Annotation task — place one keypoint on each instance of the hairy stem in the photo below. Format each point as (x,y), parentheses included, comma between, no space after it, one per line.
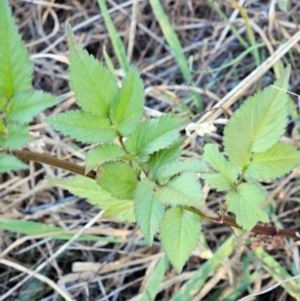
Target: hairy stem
(221,219)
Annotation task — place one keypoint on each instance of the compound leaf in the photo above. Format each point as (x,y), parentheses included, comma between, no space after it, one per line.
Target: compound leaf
(15,66)
(179,234)
(245,203)
(83,126)
(155,134)
(15,137)
(127,108)
(118,178)
(24,106)
(177,167)
(148,210)
(9,163)
(228,172)
(184,190)
(258,124)
(101,154)
(275,162)
(94,86)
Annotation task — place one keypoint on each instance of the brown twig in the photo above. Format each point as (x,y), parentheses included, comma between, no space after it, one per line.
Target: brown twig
(221,219)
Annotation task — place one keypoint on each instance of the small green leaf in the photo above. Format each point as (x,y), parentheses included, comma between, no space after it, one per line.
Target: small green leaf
(122,211)
(228,172)
(155,134)
(118,178)
(245,204)
(163,157)
(275,162)
(16,137)
(83,126)
(179,234)
(258,124)
(24,106)
(127,108)
(84,187)
(94,86)
(177,167)
(9,163)
(15,66)
(2,127)
(184,190)
(101,154)
(148,211)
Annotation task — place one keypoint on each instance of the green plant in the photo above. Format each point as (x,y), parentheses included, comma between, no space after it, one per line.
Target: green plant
(139,174)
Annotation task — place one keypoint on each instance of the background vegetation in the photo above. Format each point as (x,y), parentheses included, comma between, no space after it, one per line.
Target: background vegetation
(190,55)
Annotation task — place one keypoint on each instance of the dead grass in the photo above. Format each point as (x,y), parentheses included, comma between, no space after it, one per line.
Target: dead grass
(111,270)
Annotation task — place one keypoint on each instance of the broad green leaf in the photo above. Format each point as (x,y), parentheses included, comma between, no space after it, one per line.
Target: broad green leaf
(258,123)
(127,108)
(84,187)
(15,66)
(8,163)
(155,134)
(184,190)
(94,86)
(148,210)
(228,172)
(177,167)
(24,106)
(163,157)
(122,211)
(118,178)
(83,126)
(217,181)
(245,204)
(179,234)
(15,137)
(275,162)
(101,154)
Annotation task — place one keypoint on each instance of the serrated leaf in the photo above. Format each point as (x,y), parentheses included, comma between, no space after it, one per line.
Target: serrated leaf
(216,181)
(15,67)
(24,106)
(83,126)
(179,234)
(245,204)
(100,154)
(177,167)
(15,137)
(122,211)
(275,162)
(163,157)
(148,211)
(184,190)
(155,134)
(88,188)
(258,123)
(118,178)
(9,163)
(228,172)
(127,108)
(94,86)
